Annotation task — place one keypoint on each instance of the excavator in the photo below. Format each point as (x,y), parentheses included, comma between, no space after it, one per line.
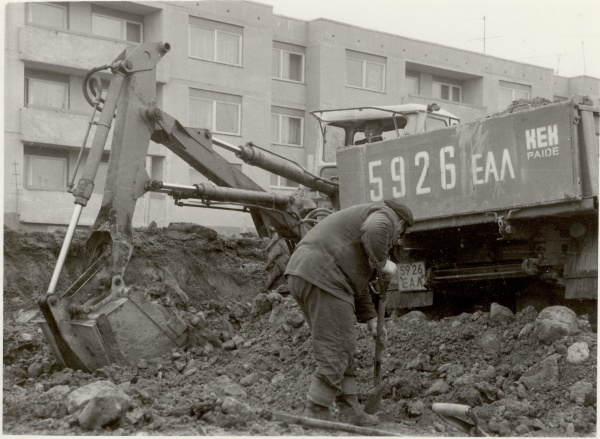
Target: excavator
(99,320)
(510,199)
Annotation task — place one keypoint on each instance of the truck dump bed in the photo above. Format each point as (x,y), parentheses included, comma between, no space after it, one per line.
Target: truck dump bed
(547,156)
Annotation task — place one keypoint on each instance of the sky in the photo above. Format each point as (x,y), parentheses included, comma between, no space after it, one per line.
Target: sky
(563,35)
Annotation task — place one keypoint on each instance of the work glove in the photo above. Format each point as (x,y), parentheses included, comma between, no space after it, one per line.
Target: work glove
(372,325)
(388,271)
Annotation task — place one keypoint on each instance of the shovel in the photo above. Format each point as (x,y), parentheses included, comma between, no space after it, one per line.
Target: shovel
(374,398)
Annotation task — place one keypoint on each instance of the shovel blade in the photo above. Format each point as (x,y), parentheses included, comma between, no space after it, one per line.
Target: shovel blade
(373,401)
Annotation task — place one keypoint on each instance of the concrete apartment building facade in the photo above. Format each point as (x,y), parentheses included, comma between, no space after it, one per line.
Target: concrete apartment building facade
(235,68)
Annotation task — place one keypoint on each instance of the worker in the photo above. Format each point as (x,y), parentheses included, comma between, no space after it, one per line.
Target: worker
(328,275)
(372,132)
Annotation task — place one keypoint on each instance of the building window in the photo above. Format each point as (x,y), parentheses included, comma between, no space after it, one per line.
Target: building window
(287,126)
(510,91)
(447,92)
(46,89)
(218,112)
(278,181)
(117,28)
(411,84)
(365,71)
(288,62)
(101,173)
(46,169)
(48,14)
(215,41)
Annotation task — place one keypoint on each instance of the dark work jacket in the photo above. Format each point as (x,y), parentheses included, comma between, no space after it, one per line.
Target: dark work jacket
(341,252)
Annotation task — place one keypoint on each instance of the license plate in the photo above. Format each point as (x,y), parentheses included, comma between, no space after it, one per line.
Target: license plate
(411,277)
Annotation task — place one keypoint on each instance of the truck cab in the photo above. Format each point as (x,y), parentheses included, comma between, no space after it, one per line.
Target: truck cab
(346,127)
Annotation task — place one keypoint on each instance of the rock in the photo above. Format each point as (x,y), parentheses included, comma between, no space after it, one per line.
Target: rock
(234,389)
(404,388)
(38,387)
(274,297)
(543,375)
(525,331)
(416,408)
(468,395)
(466,379)
(261,304)
(522,429)
(106,407)
(555,322)
(278,378)
(277,315)
(488,342)
(232,406)
(180,364)
(419,362)
(229,345)
(439,387)
(578,353)
(582,393)
(538,425)
(500,315)
(35,369)
(59,378)
(58,391)
(25,337)
(189,371)
(238,341)
(451,370)
(295,319)
(414,316)
(249,380)
(517,408)
(502,427)
(81,396)
(23,316)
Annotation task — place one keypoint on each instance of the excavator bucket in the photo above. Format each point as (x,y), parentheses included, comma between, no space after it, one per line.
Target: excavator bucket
(99,320)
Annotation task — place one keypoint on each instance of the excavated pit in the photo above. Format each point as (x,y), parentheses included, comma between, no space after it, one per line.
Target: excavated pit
(490,359)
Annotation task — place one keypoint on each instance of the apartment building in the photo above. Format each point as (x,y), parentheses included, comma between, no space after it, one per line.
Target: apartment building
(235,68)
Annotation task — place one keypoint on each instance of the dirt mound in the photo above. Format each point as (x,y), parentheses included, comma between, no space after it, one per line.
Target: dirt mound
(524,104)
(518,384)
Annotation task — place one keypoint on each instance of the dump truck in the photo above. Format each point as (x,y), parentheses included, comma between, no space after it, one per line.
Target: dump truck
(509,201)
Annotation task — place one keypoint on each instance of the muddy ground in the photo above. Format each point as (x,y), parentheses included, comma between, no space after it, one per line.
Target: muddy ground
(518,384)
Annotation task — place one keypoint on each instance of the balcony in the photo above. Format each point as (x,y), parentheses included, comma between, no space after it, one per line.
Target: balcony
(74,51)
(55,127)
(44,126)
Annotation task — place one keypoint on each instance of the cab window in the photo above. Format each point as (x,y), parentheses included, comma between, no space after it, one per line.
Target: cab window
(433,124)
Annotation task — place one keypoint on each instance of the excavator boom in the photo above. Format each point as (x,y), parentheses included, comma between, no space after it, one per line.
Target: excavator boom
(99,320)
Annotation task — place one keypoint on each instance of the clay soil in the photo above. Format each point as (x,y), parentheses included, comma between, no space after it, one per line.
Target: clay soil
(265,362)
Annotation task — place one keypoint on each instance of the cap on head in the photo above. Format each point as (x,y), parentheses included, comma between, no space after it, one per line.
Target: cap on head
(373,129)
(401,210)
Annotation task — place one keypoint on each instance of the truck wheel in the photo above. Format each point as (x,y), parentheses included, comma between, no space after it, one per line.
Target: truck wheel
(279,254)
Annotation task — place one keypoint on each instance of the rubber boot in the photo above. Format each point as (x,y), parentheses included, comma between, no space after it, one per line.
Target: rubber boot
(350,412)
(317,411)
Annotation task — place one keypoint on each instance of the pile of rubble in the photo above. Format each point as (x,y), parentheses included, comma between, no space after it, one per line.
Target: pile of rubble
(525,374)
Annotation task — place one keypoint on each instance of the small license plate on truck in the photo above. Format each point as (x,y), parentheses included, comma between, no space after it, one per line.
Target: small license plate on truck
(411,277)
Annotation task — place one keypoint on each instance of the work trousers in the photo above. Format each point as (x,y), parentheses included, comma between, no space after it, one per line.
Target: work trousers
(333,331)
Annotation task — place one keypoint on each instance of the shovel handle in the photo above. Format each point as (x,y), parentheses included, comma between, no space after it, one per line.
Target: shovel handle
(383,285)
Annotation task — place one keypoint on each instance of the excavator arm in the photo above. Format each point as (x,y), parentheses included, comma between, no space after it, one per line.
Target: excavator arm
(99,320)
